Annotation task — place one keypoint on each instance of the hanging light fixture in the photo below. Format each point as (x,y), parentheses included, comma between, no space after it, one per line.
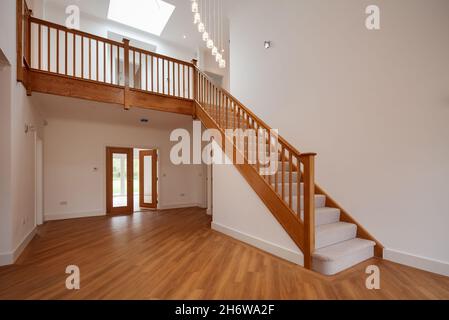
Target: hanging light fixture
(214,51)
(194,6)
(210,43)
(222,64)
(197,18)
(218,57)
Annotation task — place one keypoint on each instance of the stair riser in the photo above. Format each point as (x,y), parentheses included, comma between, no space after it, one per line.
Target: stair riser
(322,218)
(286,186)
(320,202)
(330,268)
(328,238)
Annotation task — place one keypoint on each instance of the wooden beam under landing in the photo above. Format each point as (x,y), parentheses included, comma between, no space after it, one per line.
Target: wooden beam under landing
(61,85)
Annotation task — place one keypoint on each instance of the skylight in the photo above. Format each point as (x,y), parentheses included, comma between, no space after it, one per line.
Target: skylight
(148,15)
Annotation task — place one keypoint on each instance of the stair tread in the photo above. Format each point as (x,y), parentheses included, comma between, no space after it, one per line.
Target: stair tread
(342,249)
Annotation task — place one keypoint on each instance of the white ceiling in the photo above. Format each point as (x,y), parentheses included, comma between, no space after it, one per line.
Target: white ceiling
(180,23)
(51,106)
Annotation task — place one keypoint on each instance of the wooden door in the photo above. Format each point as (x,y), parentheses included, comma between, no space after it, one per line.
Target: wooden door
(148,179)
(119,181)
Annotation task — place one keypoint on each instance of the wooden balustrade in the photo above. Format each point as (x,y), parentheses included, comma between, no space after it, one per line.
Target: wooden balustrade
(293,168)
(55,49)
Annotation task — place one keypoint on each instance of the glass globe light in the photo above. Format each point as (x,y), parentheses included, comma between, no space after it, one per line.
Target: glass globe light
(210,44)
(205,36)
(194,6)
(201,27)
(197,18)
(214,51)
(222,64)
(218,57)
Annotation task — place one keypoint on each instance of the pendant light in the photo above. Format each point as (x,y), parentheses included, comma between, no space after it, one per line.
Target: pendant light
(196,18)
(194,6)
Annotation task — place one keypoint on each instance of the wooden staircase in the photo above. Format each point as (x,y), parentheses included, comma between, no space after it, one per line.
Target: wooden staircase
(81,65)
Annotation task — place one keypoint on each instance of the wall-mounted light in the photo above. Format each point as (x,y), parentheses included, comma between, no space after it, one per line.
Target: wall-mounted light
(267,44)
(29,128)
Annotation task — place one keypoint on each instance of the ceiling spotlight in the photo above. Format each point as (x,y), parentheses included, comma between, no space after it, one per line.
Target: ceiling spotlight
(144,120)
(267,44)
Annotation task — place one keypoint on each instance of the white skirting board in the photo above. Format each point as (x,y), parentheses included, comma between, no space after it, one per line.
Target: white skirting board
(75,215)
(180,206)
(11,257)
(261,244)
(418,262)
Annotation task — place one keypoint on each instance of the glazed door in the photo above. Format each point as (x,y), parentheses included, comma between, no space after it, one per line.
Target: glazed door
(148,179)
(119,180)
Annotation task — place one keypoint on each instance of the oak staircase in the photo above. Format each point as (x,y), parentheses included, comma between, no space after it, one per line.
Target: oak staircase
(68,62)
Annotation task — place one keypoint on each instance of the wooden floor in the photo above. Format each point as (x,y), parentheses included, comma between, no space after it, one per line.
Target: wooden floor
(175,255)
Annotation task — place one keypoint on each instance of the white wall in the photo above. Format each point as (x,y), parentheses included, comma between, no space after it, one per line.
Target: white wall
(75,145)
(18,210)
(374,105)
(240,213)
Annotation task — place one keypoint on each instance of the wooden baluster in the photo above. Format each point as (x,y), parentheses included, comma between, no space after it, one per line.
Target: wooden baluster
(308,161)
(257,150)
(146,72)
(82,57)
(173,79)
(118,66)
(179,81)
(168,78)
(218,99)
(67,55)
(140,71)
(290,181)
(104,62)
(126,71)
(134,69)
(283,172)
(90,58)
(184,80)
(48,49)
(189,95)
(96,61)
(276,175)
(19,41)
(111,62)
(73,53)
(157,74)
(39,50)
(152,74)
(57,50)
(163,76)
(298,186)
(270,177)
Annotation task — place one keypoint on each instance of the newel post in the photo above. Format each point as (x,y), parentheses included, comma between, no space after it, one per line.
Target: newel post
(308,161)
(195,87)
(19,40)
(126,74)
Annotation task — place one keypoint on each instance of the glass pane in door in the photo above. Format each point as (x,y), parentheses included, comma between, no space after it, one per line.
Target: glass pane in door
(147,179)
(119,180)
